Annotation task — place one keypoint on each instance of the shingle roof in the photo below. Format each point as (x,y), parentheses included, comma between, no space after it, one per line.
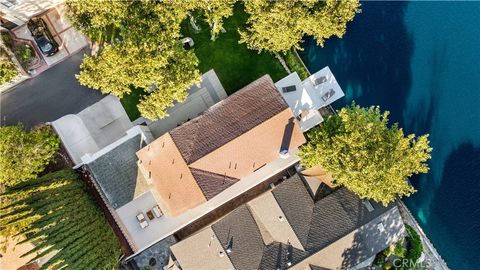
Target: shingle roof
(116,171)
(228,119)
(337,215)
(338,224)
(313,267)
(297,204)
(276,256)
(211,183)
(240,231)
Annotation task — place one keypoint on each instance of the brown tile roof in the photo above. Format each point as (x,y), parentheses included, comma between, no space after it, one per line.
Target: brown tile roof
(229,141)
(212,183)
(253,149)
(163,165)
(228,119)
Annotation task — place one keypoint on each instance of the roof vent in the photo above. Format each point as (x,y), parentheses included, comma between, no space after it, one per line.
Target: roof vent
(380,227)
(280,218)
(221,254)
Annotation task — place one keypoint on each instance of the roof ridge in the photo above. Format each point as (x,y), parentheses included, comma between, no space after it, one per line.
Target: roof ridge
(228,119)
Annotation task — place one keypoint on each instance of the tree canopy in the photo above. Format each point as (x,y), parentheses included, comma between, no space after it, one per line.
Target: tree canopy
(365,154)
(277,26)
(56,213)
(25,154)
(145,49)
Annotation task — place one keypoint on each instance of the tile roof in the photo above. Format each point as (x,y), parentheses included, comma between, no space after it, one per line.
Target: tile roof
(228,119)
(162,163)
(297,204)
(239,230)
(116,171)
(212,183)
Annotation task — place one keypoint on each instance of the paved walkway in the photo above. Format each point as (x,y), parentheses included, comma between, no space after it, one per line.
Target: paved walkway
(47,97)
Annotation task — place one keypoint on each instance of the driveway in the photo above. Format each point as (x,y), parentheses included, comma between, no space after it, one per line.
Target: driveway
(49,96)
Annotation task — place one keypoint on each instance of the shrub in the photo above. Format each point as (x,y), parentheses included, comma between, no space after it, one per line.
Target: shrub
(293,62)
(7,70)
(379,260)
(400,250)
(24,53)
(415,247)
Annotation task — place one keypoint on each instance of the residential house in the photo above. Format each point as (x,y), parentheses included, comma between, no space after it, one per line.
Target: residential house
(286,228)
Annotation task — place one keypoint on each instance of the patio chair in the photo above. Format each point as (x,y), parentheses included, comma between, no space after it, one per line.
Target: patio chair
(157,212)
(288,89)
(319,80)
(141,219)
(328,95)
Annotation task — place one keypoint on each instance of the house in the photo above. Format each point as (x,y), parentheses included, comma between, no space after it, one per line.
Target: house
(306,97)
(286,229)
(195,162)
(154,188)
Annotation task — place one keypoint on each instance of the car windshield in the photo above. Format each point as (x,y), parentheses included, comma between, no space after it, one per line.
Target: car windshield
(44,44)
(46,47)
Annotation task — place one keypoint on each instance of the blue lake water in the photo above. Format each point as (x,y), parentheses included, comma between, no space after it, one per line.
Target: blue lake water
(421,61)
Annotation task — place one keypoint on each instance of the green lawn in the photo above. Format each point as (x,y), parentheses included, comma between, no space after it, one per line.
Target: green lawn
(234,63)
(130,101)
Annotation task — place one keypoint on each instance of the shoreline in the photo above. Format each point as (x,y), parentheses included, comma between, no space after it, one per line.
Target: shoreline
(431,254)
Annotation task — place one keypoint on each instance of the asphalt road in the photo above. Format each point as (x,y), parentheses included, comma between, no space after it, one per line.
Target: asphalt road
(47,97)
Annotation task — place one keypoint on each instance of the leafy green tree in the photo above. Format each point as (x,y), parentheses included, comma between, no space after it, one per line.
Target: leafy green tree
(25,154)
(214,12)
(95,18)
(277,26)
(57,214)
(146,51)
(365,154)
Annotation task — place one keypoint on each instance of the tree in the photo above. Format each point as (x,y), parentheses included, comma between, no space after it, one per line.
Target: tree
(56,212)
(146,50)
(365,155)
(277,26)
(215,11)
(25,154)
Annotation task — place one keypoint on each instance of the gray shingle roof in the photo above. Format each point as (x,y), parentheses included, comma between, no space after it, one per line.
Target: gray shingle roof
(317,226)
(275,256)
(212,183)
(116,172)
(240,228)
(337,215)
(297,204)
(228,119)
